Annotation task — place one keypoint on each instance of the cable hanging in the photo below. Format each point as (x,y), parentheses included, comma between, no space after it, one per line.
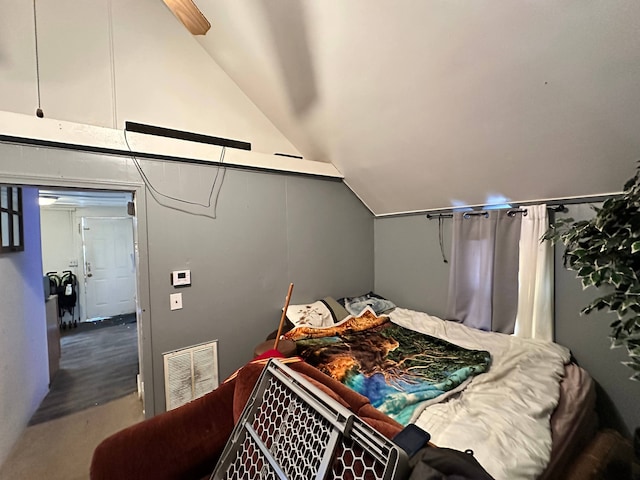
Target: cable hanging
(39,112)
(154,191)
(441,238)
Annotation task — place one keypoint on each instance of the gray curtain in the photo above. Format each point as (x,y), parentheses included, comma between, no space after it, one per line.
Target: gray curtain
(483,280)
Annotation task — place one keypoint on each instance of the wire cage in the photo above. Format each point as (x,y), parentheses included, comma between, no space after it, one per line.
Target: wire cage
(289,429)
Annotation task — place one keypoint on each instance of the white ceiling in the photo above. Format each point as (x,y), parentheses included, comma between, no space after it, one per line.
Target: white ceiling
(426,104)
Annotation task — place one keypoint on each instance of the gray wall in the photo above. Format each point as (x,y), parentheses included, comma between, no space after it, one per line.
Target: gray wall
(24,366)
(271,229)
(409,270)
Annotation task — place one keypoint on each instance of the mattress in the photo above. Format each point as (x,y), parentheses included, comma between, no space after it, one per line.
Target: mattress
(574,421)
(504,415)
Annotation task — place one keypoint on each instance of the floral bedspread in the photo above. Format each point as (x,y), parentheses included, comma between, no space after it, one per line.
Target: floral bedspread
(400,371)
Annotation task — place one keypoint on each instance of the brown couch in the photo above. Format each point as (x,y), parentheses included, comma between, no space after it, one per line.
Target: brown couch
(185,443)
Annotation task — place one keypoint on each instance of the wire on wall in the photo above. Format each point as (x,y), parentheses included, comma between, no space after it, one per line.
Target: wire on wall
(441,238)
(155,193)
(39,112)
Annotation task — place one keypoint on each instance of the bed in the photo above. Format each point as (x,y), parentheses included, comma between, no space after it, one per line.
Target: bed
(520,405)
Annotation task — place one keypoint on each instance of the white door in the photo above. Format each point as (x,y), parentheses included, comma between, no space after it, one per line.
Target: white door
(109,266)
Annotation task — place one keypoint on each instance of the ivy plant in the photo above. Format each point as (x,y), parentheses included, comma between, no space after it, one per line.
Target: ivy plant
(605,252)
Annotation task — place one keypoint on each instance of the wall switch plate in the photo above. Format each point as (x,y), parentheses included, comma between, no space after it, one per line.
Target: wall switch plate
(176,301)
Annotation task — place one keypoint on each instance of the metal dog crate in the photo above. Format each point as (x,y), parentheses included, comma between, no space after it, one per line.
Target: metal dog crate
(289,429)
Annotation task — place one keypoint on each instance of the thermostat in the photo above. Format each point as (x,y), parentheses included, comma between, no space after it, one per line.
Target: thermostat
(181,278)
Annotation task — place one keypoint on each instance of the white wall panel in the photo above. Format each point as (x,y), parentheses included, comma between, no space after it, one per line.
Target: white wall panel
(58,242)
(103,62)
(75,66)
(18,91)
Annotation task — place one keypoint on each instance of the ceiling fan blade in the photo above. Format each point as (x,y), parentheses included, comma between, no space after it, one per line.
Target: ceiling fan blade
(190,15)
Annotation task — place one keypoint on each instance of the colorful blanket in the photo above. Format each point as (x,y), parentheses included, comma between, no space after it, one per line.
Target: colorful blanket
(399,370)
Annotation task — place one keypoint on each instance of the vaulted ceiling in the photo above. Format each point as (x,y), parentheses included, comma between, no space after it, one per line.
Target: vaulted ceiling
(425,104)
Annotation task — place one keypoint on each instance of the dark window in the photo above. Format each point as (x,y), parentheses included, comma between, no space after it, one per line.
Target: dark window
(11,224)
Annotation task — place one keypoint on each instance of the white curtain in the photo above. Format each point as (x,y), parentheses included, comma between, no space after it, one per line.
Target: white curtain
(483,278)
(535,277)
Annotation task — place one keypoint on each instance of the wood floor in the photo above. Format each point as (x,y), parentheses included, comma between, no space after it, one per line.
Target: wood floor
(99,363)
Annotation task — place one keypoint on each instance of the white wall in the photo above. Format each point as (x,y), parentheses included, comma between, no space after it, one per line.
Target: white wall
(24,372)
(58,242)
(103,62)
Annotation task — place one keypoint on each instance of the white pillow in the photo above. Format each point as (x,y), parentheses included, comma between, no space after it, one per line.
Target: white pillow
(314,314)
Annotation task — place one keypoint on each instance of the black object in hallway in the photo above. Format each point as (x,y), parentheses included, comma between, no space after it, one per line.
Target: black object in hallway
(99,363)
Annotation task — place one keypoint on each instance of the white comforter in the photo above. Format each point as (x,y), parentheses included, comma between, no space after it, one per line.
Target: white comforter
(503,414)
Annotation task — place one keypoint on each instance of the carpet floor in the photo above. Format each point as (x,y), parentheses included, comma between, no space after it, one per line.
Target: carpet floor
(61,449)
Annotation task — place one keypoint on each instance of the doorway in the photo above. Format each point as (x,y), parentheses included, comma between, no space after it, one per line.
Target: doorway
(109,267)
(89,235)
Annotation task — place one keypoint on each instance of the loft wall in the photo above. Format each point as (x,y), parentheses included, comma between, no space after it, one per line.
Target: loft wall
(270,230)
(103,62)
(24,376)
(410,271)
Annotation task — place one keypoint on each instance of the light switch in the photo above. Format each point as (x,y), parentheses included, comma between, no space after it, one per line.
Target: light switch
(176,301)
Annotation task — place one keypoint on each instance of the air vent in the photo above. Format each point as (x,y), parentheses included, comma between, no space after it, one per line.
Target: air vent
(190,373)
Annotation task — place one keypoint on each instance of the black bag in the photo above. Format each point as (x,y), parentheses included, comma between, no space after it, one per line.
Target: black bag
(432,463)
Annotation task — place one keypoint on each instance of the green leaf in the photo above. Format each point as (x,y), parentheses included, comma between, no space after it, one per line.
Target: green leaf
(629,324)
(616,279)
(615,305)
(630,183)
(635,247)
(634,289)
(633,365)
(579,252)
(616,342)
(585,271)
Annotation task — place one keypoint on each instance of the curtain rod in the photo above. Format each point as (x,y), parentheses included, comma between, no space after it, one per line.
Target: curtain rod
(511,212)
